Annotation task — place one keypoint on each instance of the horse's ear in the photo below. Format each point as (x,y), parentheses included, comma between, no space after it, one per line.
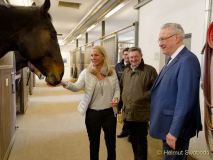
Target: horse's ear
(46,6)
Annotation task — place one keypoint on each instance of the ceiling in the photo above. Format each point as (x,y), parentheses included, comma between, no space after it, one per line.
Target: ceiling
(66,20)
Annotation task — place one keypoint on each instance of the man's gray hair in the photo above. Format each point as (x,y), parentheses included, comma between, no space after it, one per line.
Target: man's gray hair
(177,28)
(132,49)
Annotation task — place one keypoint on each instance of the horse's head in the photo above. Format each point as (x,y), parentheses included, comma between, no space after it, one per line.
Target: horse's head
(22,62)
(37,41)
(35,70)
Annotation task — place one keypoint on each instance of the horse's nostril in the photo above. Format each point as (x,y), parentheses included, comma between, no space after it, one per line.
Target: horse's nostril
(52,80)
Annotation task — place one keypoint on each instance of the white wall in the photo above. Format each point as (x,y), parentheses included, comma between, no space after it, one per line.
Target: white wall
(191,15)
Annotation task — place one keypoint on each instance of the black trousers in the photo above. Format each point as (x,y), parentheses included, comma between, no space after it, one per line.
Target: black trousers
(95,120)
(138,137)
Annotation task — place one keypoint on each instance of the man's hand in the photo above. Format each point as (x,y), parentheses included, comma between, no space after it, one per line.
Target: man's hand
(171,140)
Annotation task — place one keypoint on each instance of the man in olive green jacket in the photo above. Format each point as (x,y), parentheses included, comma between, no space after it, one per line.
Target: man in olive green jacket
(137,80)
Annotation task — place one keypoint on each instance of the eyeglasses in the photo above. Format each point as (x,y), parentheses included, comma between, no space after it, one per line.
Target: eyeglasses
(165,38)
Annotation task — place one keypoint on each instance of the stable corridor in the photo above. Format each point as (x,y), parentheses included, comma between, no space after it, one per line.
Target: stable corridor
(52,129)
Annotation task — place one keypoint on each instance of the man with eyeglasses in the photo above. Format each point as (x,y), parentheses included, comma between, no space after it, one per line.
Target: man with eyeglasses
(175,108)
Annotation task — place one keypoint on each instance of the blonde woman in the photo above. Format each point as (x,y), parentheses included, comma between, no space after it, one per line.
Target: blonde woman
(100,100)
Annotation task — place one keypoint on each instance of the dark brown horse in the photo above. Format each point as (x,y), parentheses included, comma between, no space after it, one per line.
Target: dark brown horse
(29,31)
(23,62)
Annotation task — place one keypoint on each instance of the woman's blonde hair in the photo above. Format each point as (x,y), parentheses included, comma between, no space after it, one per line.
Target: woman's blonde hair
(106,69)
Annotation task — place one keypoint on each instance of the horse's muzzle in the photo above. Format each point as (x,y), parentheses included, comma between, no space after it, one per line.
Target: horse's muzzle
(53,80)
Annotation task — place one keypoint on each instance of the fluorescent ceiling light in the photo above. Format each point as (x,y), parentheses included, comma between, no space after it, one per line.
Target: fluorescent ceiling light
(79,36)
(90,28)
(115,10)
(21,2)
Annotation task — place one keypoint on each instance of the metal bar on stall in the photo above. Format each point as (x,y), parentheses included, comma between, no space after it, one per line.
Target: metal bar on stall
(111,34)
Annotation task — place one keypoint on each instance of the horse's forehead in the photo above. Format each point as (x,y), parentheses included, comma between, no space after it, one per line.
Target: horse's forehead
(38,36)
(45,34)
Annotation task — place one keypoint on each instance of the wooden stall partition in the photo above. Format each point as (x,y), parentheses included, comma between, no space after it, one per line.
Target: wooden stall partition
(111,46)
(87,53)
(7,106)
(73,69)
(82,52)
(78,60)
(31,82)
(23,90)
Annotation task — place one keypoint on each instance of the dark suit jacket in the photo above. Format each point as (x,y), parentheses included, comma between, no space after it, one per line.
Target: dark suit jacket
(119,68)
(175,106)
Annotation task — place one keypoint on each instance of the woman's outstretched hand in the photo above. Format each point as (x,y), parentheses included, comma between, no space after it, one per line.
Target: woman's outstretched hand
(64,84)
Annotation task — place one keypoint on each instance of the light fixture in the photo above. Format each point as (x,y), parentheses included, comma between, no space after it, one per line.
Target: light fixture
(21,2)
(115,10)
(79,36)
(90,28)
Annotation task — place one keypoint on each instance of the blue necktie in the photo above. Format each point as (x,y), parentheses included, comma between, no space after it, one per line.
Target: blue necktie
(168,60)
